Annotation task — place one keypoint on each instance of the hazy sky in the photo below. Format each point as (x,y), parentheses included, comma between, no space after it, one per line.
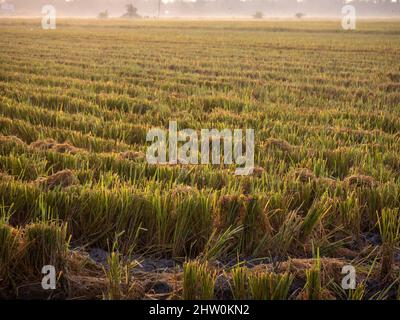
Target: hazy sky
(171,8)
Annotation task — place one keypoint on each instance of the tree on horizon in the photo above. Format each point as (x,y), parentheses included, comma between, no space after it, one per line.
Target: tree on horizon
(131,12)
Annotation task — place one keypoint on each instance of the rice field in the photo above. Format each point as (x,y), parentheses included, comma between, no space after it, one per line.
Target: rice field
(77,193)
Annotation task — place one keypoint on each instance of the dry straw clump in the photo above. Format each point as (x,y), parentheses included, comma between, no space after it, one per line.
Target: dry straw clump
(66,148)
(361,181)
(10,139)
(278,144)
(51,144)
(62,179)
(303,175)
(182,190)
(45,144)
(132,155)
(258,171)
(329,182)
(4,177)
(330,267)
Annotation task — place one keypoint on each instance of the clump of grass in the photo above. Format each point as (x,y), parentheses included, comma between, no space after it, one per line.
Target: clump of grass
(9,249)
(313,282)
(284,238)
(340,160)
(350,213)
(193,225)
(207,283)
(270,286)
(114,276)
(389,229)
(230,208)
(255,225)
(221,244)
(239,283)
(45,244)
(318,210)
(190,280)
(198,281)
(118,276)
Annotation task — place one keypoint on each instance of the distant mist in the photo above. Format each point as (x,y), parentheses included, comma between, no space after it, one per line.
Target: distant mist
(202,8)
